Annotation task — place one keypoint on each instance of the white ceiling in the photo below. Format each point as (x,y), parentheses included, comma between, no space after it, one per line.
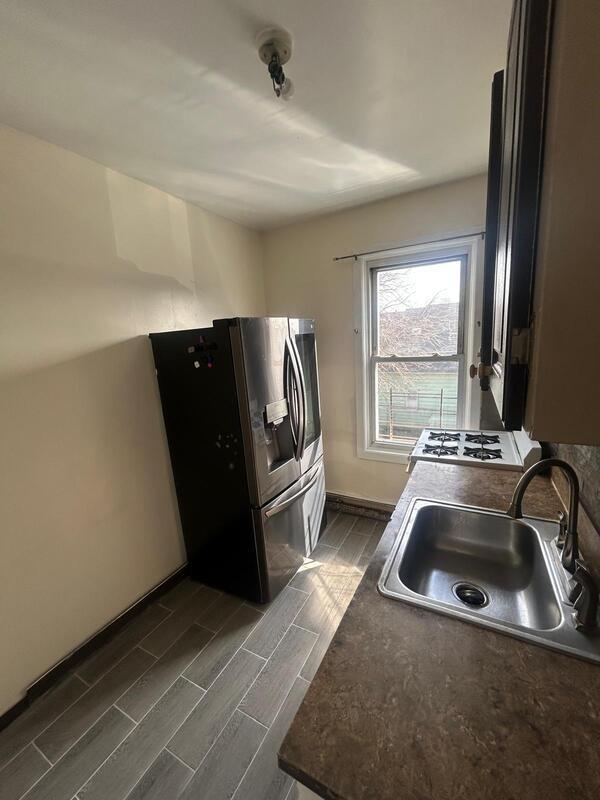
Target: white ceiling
(390,95)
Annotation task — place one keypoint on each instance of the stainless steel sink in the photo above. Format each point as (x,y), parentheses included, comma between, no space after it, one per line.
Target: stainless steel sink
(489,569)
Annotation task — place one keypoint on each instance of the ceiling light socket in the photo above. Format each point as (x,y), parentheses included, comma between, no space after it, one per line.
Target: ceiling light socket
(274,41)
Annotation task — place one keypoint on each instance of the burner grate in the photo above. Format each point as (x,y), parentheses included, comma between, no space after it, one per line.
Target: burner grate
(482,438)
(444,436)
(440,450)
(482,453)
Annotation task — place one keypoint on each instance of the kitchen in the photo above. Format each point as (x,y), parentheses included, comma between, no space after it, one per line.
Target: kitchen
(353,663)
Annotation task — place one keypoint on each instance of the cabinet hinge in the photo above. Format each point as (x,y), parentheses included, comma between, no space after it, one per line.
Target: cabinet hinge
(519,346)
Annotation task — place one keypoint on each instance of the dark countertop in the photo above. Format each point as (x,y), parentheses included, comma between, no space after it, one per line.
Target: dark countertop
(412,705)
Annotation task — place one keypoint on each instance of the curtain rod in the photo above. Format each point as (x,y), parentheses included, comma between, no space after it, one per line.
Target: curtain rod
(411,244)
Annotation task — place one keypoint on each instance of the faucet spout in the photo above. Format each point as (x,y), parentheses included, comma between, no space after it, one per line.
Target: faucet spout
(570,552)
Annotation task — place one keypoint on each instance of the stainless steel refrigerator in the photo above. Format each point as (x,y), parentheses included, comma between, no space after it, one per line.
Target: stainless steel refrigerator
(242,414)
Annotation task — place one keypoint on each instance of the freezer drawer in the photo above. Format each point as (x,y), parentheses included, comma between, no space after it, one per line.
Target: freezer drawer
(289,528)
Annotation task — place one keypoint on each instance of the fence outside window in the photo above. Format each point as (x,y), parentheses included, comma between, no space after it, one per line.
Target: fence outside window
(403,415)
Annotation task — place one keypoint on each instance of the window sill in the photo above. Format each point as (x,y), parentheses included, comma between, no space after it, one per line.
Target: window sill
(397,455)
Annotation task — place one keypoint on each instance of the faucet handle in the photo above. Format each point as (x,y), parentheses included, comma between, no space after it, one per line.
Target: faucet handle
(570,551)
(585,597)
(563,522)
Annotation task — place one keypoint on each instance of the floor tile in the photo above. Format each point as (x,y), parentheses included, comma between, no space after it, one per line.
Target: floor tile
(313,662)
(199,631)
(334,574)
(307,576)
(128,637)
(368,550)
(329,626)
(221,771)
(217,614)
(145,692)
(374,540)
(56,740)
(321,607)
(215,656)
(163,781)
(268,633)
(264,780)
(351,550)
(39,715)
(179,621)
(349,591)
(21,773)
(118,776)
(179,594)
(198,733)
(364,525)
(268,693)
(337,530)
(64,779)
(363,563)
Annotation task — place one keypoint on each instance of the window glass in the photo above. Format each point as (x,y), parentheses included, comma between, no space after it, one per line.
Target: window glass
(416,361)
(415,395)
(417,309)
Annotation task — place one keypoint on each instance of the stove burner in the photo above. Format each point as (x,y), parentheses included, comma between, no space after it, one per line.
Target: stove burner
(482,438)
(482,453)
(444,436)
(440,450)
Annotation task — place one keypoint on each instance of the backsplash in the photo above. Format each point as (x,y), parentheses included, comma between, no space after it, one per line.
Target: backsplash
(586,461)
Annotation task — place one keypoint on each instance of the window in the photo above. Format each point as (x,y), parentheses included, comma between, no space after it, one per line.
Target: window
(416,330)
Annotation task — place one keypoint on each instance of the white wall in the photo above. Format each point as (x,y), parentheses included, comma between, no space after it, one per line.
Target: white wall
(90,262)
(301,279)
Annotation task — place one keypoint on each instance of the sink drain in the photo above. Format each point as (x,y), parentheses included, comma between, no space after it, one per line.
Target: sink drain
(470,594)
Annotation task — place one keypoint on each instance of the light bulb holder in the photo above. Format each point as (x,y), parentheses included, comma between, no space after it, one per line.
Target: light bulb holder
(275,50)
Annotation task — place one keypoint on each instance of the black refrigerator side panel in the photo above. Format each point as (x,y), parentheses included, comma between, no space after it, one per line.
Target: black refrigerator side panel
(199,401)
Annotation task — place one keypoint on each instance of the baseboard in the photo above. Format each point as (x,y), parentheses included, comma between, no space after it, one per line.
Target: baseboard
(14,711)
(362,508)
(76,656)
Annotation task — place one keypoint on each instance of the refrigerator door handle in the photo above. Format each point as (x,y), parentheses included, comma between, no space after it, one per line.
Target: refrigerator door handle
(290,500)
(291,394)
(302,404)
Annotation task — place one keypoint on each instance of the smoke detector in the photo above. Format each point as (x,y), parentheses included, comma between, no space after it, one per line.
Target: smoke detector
(275,50)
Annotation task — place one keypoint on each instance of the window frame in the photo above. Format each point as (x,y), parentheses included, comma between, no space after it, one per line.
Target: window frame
(470,252)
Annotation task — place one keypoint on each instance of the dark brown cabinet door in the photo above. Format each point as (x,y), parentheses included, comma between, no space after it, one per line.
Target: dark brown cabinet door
(491,226)
(517,208)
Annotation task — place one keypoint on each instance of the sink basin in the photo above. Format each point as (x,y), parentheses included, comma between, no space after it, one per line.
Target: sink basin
(486,568)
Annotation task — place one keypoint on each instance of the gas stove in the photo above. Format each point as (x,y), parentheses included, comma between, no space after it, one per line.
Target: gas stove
(482,453)
(493,449)
(441,449)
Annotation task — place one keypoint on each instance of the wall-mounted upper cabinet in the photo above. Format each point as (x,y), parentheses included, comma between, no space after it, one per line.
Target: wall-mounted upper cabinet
(541,326)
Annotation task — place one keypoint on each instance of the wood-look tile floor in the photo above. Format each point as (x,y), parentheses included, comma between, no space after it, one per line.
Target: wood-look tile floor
(194,696)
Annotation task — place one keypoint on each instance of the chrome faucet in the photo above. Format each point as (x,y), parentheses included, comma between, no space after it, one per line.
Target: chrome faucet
(569,542)
(583,593)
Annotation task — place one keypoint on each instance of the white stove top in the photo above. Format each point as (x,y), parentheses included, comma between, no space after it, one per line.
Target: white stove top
(491,449)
